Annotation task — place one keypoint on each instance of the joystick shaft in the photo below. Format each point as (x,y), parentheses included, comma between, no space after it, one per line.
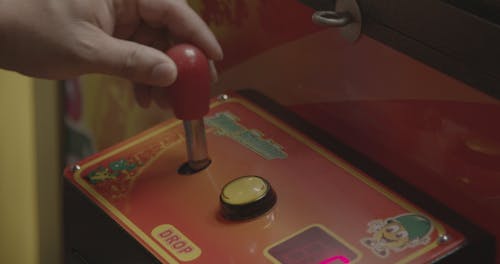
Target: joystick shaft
(189,98)
(196,144)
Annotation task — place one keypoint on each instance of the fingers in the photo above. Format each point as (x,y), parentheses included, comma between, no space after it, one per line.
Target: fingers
(133,61)
(152,37)
(142,95)
(140,61)
(182,22)
(160,97)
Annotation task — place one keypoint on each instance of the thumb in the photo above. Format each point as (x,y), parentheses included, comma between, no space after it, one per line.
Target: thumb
(133,61)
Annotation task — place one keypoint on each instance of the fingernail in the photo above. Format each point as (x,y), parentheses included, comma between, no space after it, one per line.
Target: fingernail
(164,74)
(220,56)
(213,71)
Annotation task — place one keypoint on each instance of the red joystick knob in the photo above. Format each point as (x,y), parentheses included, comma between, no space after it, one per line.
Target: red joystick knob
(189,95)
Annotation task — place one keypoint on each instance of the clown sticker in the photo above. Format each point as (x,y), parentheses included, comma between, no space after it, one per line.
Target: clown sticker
(397,233)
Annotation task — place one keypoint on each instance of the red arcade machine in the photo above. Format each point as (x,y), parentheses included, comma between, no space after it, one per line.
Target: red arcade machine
(341,132)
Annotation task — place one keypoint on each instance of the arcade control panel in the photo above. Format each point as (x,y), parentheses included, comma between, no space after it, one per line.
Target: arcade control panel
(266,193)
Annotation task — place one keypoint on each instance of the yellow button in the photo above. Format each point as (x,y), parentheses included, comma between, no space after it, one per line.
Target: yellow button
(244,190)
(246,197)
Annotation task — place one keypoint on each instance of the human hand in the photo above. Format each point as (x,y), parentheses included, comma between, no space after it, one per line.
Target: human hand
(58,39)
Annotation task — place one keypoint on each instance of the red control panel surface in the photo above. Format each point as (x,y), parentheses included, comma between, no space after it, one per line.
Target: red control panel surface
(326,210)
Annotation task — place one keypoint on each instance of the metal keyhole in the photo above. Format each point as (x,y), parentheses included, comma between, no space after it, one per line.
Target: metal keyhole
(346,16)
(332,18)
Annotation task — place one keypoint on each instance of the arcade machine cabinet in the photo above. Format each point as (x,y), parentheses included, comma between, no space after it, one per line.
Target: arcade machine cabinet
(327,146)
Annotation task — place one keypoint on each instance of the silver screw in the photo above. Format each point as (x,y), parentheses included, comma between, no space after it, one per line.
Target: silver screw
(223,97)
(75,168)
(443,238)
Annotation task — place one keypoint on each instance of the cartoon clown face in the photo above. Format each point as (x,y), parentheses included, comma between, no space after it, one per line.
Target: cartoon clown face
(392,235)
(397,233)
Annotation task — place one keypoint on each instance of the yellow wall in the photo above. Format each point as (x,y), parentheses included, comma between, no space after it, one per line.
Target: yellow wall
(26,184)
